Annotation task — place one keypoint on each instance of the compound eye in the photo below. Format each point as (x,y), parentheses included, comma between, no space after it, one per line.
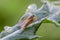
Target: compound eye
(32,7)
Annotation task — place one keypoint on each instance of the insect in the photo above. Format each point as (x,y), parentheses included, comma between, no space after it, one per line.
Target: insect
(31,21)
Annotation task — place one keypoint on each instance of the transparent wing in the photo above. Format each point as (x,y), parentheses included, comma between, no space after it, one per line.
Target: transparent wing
(55,18)
(27,33)
(43,12)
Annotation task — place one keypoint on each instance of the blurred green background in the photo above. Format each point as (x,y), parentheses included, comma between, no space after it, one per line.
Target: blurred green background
(12,10)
